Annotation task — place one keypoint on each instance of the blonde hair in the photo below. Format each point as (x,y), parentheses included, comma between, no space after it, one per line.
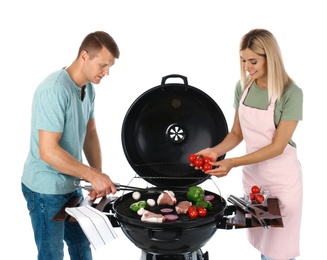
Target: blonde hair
(263,43)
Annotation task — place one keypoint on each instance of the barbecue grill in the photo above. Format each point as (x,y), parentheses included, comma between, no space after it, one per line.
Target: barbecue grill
(160,129)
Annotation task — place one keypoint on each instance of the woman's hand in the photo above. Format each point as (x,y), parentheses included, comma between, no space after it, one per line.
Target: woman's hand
(222,168)
(208,152)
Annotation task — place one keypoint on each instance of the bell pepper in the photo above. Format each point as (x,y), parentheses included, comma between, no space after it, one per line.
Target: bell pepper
(204,203)
(195,193)
(137,205)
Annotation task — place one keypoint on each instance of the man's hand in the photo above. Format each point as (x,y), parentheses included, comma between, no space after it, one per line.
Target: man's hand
(102,186)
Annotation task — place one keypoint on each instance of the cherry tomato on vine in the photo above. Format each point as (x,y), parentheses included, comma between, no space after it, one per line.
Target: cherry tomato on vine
(251,196)
(259,198)
(255,189)
(191,157)
(207,159)
(206,167)
(198,162)
(192,212)
(202,211)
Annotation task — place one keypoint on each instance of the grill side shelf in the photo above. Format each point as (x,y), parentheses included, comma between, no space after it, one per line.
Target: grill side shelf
(236,218)
(62,215)
(77,201)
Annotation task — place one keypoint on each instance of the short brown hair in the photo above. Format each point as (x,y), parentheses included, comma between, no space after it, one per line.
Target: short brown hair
(94,42)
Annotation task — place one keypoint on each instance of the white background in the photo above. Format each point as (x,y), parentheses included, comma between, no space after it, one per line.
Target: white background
(158,38)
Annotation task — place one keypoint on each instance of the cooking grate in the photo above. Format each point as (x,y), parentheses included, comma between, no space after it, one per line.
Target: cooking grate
(169,170)
(170,174)
(124,202)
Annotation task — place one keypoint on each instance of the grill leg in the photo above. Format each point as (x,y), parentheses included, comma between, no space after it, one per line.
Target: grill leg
(195,255)
(143,255)
(198,255)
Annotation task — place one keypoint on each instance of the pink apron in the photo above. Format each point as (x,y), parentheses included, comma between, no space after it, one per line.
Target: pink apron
(281,175)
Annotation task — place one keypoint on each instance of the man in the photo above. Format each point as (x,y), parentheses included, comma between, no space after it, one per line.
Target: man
(62,128)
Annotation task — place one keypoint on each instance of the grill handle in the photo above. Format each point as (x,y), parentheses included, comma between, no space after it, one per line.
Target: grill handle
(163,81)
(161,234)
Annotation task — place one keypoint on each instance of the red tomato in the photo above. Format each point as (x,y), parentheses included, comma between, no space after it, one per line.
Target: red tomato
(198,162)
(191,157)
(251,196)
(192,212)
(207,159)
(206,167)
(202,211)
(259,198)
(255,189)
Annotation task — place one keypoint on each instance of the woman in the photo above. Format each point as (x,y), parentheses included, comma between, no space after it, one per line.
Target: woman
(268,107)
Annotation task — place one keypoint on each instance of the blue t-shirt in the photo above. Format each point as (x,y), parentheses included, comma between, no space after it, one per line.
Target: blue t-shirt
(57,107)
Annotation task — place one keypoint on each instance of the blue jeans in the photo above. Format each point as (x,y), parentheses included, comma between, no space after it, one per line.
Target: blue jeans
(50,235)
(267,258)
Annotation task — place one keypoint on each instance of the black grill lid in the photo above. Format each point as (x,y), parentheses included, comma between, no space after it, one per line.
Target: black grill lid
(164,125)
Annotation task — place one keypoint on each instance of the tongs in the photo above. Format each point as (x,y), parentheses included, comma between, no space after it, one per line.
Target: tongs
(81,183)
(257,213)
(131,188)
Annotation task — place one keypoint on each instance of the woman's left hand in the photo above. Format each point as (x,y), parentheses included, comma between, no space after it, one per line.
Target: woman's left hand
(221,168)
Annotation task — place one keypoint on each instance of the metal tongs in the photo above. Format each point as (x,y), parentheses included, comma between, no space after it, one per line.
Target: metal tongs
(81,183)
(257,213)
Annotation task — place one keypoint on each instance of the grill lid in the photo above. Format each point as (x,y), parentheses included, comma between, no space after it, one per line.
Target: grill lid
(164,125)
